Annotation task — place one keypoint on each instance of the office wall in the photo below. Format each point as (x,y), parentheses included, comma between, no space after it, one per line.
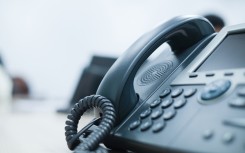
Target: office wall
(48,42)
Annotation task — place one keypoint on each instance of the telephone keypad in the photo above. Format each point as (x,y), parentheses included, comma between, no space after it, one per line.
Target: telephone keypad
(134,125)
(161,110)
(158,123)
(155,103)
(146,125)
(166,103)
(177,92)
(145,113)
(156,114)
(158,126)
(165,93)
(169,114)
(189,92)
(179,103)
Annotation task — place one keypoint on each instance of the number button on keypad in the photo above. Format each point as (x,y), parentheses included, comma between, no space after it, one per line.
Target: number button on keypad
(166,103)
(145,113)
(179,103)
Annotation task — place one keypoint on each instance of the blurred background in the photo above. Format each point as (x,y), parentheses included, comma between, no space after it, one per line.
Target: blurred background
(49,42)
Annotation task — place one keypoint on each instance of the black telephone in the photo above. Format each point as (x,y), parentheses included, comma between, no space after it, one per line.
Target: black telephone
(191,98)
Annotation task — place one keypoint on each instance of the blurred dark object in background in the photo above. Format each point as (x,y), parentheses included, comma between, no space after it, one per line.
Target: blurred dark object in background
(217,21)
(90,79)
(1,61)
(20,87)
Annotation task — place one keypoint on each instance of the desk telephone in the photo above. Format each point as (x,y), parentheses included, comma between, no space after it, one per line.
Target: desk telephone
(191,98)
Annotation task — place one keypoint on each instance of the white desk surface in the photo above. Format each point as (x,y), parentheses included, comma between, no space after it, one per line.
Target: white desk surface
(39,131)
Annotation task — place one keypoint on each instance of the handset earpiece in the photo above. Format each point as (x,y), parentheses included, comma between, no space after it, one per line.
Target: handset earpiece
(180,32)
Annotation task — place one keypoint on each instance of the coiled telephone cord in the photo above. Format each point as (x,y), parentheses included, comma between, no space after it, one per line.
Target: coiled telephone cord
(90,143)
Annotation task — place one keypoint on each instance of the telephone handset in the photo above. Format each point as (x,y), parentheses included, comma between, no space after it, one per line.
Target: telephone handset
(158,105)
(180,33)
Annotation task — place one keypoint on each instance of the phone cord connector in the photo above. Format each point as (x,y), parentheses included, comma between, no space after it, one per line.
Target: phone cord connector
(91,142)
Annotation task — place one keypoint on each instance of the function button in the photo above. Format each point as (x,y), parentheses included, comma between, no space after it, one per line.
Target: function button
(208,134)
(179,103)
(241,92)
(155,103)
(134,125)
(228,73)
(237,122)
(228,137)
(215,89)
(237,102)
(166,103)
(169,114)
(165,93)
(193,75)
(145,113)
(189,92)
(146,125)
(209,74)
(158,126)
(156,114)
(177,92)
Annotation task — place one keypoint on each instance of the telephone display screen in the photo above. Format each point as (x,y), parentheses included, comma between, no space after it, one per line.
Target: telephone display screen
(230,54)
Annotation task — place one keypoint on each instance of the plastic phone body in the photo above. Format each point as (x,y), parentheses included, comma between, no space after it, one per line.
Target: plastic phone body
(191,98)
